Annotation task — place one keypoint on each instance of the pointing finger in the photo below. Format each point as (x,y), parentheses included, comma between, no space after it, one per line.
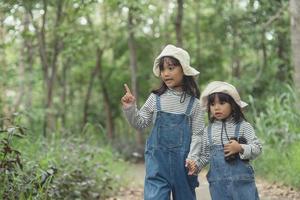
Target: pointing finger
(127,88)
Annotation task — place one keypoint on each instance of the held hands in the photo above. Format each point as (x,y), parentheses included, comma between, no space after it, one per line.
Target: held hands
(192,167)
(128,99)
(232,147)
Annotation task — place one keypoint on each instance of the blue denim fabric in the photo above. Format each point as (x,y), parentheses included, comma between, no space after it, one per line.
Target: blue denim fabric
(230,180)
(166,150)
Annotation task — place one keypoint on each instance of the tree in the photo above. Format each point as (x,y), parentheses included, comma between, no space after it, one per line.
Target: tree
(178,23)
(197,32)
(133,64)
(295,40)
(3,65)
(49,60)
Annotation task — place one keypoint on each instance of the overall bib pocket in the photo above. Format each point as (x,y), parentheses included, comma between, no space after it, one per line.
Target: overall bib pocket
(170,136)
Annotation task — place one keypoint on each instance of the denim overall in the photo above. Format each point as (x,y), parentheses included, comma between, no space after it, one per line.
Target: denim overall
(232,180)
(166,150)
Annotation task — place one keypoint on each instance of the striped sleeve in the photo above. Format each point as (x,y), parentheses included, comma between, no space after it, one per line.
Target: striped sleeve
(253,148)
(198,151)
(142,118)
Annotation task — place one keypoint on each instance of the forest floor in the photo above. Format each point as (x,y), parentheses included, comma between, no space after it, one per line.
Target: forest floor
(267,190)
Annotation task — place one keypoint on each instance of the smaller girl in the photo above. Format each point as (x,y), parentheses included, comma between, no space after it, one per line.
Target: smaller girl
(228,143)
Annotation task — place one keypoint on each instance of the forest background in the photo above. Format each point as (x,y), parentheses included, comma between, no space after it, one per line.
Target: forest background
(63,64)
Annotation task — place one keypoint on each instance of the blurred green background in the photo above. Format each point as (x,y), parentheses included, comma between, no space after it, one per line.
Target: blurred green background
(63,64)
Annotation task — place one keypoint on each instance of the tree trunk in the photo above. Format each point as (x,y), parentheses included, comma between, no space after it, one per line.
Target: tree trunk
(3,105)
(21,91)
(63,111)
(235,57)
(295,40)
(49,61)
(105,95)
(94,73)
(41,37)
(109,121)
(197,33)
(132,50)
(53,68)
(133,68)
(264,54)
(235,54)
(29,51)
(178,23)
(283,66)
(165,30)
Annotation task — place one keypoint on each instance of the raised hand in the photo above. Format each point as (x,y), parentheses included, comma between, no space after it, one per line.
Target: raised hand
(192,167)
(128,99)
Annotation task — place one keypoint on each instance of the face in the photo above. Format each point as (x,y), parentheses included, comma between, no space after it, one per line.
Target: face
(172,75)
(220,109)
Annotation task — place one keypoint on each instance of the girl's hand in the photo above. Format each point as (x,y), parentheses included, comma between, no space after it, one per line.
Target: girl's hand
(232,147)
(192,167)
(128,99)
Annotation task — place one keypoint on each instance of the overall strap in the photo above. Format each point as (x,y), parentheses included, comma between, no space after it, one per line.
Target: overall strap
(237,129)
(158,102)
(189,108)
(209,133)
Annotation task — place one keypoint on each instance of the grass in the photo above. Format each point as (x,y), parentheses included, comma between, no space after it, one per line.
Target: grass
(279,131)
(280,166)
(63,167)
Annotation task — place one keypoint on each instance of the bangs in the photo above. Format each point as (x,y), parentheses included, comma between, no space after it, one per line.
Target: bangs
(170,61)
(237,113)
(222,97)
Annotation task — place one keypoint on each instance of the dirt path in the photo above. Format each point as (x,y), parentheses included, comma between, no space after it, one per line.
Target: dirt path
(267,191)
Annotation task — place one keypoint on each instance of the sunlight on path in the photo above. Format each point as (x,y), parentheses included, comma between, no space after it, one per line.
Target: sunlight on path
(136,177)
(202,191)
(136,174)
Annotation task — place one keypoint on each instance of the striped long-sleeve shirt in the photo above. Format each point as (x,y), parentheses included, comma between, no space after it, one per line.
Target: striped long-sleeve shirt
(170,102)
(200,146)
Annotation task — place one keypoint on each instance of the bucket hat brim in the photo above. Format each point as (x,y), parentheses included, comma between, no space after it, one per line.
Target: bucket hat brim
(219,86)
(181,55)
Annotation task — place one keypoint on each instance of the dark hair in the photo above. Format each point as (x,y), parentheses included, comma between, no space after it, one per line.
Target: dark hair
(236,111)
(189,84)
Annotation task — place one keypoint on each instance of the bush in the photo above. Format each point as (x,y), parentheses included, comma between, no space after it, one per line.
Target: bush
(59,167)
(278,128)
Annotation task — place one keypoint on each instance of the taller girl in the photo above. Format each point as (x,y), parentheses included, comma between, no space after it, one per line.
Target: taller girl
(175,113)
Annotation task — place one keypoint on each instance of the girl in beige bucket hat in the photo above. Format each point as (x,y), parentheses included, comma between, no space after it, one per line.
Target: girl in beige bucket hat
(228,144)
(176,116)
(178,53)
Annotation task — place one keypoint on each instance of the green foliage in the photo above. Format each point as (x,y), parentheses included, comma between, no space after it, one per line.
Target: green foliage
(278,127)
(278,123)
(245,42)
(10,163)
(68,167)
(280,165)
(85,170)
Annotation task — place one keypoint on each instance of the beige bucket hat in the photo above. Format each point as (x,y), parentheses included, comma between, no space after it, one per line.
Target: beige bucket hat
(181,55)
(219,86)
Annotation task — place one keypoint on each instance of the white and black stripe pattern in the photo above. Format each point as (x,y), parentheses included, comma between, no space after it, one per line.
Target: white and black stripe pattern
(200,147)
(170,102)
